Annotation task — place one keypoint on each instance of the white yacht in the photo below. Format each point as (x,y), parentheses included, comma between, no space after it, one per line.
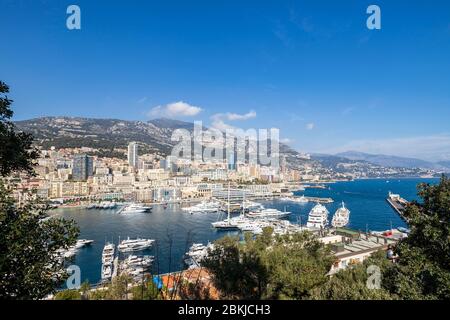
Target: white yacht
(268,213)
(107,261)
(251,227)
(196,253)
(341,217)
(69,253)
(227,224)
(138,244)
(83,242)
(136,261)
(301,199)
(204,207)
(106,271)
(248,205)
(72,250)
(318,217)
(108,253)
(134,208)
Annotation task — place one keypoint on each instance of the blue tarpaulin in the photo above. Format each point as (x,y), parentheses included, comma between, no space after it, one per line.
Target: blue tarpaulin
(158,281)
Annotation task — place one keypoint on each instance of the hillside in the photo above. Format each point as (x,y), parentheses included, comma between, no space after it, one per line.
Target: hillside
(114,133)
(390,161)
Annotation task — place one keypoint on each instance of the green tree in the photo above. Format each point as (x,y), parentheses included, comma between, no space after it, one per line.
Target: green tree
(423,269)
(119,287)
(16,150)
(237,268)
(68,295)
(85,289)
(282,267)
(297,264)
(29,264)
(30,267)
(145,291)
(351,283)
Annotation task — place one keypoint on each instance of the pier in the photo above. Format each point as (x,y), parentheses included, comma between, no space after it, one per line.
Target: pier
(398,204)
(319,200)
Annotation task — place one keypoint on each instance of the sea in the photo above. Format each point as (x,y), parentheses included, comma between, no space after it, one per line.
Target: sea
(175,230)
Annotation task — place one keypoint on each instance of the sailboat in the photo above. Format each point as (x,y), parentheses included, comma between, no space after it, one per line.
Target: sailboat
(229,223)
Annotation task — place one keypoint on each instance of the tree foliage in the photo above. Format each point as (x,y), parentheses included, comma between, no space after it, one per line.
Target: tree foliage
(16,150)
(146,290)
(29,265)
(351,283)
(68,295)
(423,270)
(288,267)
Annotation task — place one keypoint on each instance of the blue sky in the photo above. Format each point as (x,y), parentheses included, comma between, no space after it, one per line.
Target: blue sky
(310,68)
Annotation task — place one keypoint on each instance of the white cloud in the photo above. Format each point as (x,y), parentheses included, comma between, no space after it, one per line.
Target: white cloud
(309,126)
(431,148)
(219,123)
(142,100)
(175,109)
(286,140)
(234,116)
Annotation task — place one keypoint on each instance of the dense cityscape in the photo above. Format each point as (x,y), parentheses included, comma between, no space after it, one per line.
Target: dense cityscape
(71,174)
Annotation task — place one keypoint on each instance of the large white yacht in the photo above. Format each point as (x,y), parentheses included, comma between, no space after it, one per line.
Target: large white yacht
(138,244)
(229,223)
(268,213)
(204,207)
(341,217)
(318,217)
(252,227)
(136,261)
(301,199)
(83,242)
(107,261)
(196,253)
(248,205)
(134,208)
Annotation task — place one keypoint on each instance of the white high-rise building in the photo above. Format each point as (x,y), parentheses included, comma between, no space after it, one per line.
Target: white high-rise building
(133,159)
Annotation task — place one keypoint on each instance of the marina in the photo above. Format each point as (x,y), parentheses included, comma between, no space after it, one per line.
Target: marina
(174,231)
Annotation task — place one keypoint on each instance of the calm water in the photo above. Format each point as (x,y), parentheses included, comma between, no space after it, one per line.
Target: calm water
(366,200)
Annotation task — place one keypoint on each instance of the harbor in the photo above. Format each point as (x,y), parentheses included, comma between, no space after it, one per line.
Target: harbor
(175,230)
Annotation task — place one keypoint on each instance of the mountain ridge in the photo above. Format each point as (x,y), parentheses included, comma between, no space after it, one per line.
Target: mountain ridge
(391,161)
(113,133)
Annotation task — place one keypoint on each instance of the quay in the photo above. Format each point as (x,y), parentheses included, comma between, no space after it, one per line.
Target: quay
(319,200)
(398,204)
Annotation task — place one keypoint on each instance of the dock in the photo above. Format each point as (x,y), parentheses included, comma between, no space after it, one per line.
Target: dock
(398,204)
(319,200)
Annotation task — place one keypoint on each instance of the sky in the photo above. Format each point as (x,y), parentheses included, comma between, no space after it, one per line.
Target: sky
(310,68)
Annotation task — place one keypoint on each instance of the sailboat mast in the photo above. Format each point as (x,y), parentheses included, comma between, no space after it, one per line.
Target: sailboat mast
(228,202)
(243,203)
